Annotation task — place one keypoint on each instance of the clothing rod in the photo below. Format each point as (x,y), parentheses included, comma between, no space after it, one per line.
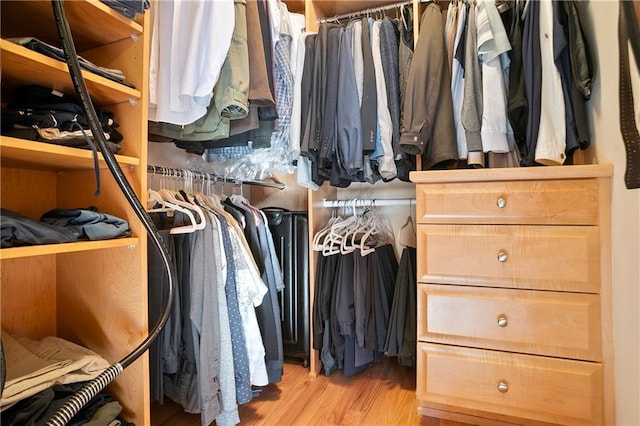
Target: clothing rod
(337,18)
(363,202)
(170,171)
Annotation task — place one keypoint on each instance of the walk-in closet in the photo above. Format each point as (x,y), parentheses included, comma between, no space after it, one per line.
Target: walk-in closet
(315,212)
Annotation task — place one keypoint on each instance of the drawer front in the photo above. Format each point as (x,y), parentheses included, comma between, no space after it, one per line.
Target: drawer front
(538,388)
(569,202)
(536,322)
(562,258)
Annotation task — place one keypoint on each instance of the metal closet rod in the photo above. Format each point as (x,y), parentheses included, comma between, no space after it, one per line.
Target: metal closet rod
(170,171)
(368,202)
(365,12)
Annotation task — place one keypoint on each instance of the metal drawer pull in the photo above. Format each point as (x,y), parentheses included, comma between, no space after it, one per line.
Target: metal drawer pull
(502,321)
(502,203)
(503,387)
(502,257)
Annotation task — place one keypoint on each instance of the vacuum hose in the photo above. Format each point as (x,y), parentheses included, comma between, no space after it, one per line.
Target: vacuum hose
(91,389)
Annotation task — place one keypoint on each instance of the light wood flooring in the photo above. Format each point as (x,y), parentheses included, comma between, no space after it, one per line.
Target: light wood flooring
(383,394)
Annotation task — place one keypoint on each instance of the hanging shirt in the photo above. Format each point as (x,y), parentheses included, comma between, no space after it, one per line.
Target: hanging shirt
(532,77)
(185,65)
(427,126)
(384,151)
(471,113)
(493,44)
(457,81)
(229,414)
(303,175)
(283,75)
(368,106)
(389,56)
(551,142)
(251,291)
(296,63)
(349,127)
(207,272)
(268,312)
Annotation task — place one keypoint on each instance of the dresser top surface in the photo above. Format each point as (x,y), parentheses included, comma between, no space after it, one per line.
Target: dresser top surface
(520,173)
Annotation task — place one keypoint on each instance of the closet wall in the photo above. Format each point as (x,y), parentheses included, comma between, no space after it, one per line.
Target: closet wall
(92,293)
(602,17)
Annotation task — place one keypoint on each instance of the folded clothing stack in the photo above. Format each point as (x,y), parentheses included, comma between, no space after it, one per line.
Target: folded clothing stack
(44,374)
(60,226)
(34,365)
(54,52)
(128,8)
(42,114)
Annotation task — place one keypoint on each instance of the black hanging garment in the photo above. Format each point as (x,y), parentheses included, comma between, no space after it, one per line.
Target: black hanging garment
(402,334)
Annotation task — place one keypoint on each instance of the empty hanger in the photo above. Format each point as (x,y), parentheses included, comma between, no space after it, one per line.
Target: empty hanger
(411,238)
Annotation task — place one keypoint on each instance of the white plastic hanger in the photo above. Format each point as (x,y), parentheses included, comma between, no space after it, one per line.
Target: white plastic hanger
(188,207)
(333,240)
(153,199)
(319,236)
(168,206)
(411,238)
(382,233)
(350,242)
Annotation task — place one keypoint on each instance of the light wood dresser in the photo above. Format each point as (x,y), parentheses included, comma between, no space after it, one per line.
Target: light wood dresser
(514,297)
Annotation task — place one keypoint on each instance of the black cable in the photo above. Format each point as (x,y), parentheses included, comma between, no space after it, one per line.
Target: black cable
(75,403)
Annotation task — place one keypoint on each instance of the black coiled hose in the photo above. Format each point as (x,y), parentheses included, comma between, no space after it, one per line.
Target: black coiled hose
(84,395)
(91,389)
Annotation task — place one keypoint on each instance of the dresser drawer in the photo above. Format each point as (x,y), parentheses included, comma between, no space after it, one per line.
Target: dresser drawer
(537,322)
(568,202)
(562,258)
(532,387)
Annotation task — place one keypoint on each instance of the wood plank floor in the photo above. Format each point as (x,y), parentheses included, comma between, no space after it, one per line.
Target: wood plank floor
(383,394)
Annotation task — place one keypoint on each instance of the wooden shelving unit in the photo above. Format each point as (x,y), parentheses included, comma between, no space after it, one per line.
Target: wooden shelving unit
(93,293)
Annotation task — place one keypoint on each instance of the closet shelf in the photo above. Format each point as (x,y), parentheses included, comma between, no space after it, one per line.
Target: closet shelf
(83,246)
(327,9)
(22,66)
(295,6)
(371,9)
(31,154)
(82,16)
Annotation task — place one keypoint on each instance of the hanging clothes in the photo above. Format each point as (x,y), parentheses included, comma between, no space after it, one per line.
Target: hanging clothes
(506,59)
(355,285)
(427,127)
(342,147)
(261,242)
(402,335)
(212,352)
(189,44)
